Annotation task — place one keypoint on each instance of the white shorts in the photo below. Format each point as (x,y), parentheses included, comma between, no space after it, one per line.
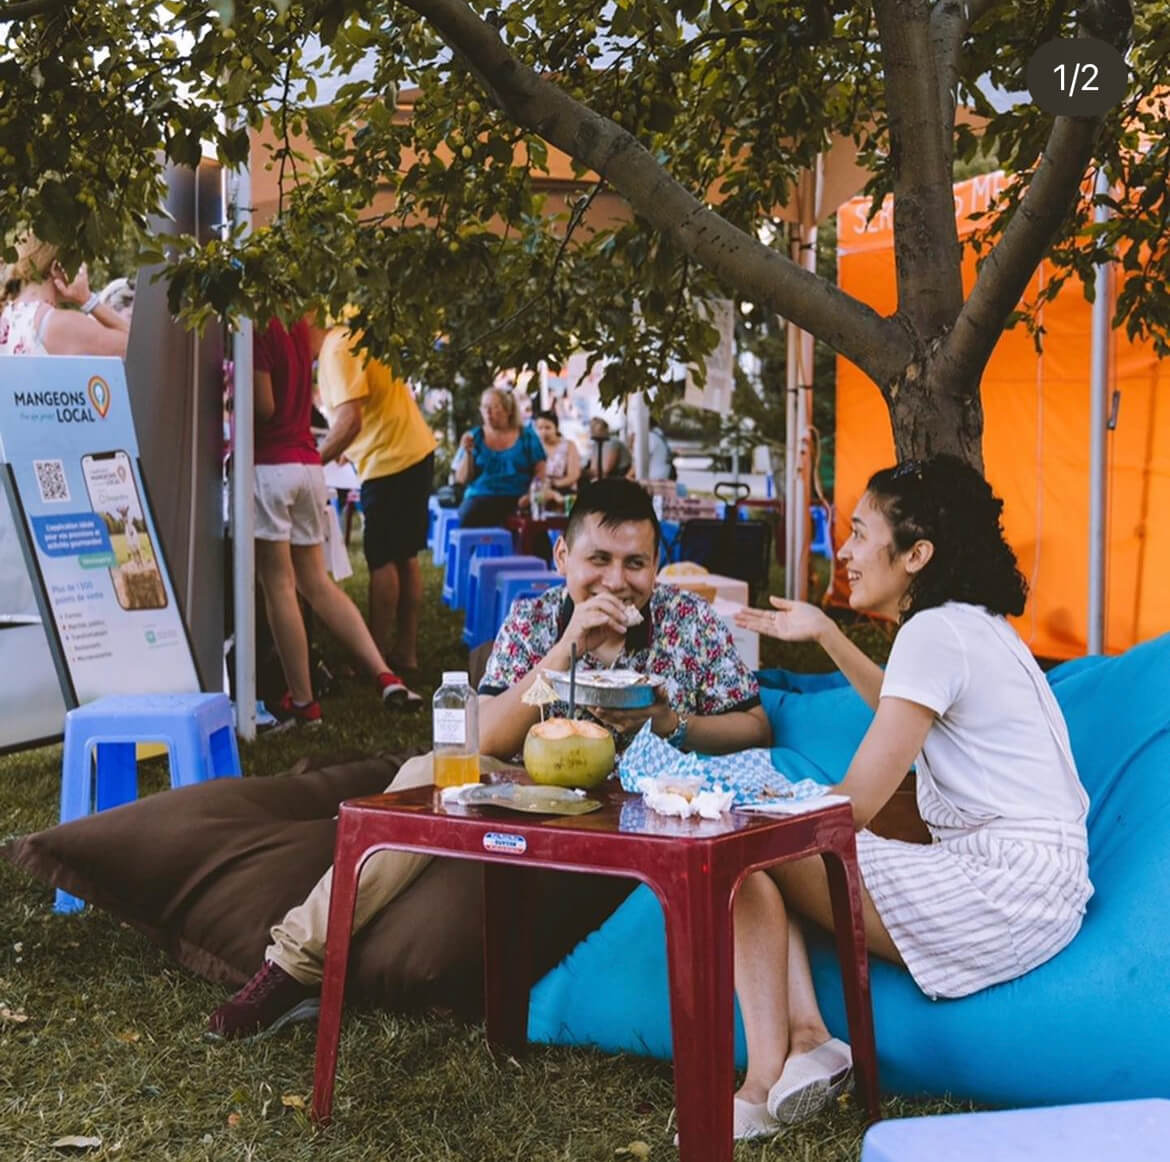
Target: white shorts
(290,503)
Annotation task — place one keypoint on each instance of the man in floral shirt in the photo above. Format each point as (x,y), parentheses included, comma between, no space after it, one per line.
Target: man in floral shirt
(709,702)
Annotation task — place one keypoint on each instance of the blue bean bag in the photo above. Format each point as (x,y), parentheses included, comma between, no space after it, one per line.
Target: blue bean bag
(1093,1024)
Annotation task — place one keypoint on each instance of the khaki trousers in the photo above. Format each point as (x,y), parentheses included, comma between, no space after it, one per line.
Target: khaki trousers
(298,941)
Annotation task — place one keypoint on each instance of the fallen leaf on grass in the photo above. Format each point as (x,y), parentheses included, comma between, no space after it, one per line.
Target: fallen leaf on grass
(128,1036)
(15,1016)
(234,1120)
(292,1101)
(75,1142)
(636,1149)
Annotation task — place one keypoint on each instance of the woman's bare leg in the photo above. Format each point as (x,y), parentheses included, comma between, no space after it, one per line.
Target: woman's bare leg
(806,1026)
(762,981)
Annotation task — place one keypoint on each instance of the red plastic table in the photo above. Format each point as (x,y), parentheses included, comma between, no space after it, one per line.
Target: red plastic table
(531,536)
(693,866)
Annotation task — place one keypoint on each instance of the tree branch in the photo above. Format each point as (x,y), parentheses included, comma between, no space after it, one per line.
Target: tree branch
(926,239)
(950,21)
(758,273)
(23,9)
(1010,264)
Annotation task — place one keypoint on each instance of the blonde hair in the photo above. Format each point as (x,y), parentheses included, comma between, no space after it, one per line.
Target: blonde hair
(34,260)
(507,402)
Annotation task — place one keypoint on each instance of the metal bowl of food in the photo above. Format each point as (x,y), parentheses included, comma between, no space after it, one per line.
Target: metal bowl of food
(609,689)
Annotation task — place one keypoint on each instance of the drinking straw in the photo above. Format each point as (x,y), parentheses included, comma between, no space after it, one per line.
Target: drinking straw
(572,679)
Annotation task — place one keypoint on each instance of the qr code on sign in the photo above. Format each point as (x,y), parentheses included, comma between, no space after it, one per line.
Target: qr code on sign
(51,480)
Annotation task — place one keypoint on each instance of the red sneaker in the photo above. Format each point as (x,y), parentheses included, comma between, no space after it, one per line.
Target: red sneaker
(288,714)
(268,1002)
(396,694)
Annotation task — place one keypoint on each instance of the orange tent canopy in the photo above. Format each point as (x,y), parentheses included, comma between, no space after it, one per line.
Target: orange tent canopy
(1035,445)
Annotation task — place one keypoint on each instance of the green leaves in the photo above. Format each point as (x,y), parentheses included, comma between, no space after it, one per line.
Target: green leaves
(465,242)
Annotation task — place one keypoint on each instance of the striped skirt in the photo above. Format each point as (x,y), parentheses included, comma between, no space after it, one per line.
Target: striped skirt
(979,905)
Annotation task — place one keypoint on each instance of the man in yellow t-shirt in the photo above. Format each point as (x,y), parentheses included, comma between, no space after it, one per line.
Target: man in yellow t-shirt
(375,421)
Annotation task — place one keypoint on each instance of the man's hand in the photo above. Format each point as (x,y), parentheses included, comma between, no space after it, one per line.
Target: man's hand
(663,718)
(596,623)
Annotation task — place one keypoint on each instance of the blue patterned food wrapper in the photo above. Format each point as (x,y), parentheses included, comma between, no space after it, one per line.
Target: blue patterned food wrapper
(748,774)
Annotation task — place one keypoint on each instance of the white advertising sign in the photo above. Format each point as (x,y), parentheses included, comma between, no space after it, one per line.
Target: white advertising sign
(67,436)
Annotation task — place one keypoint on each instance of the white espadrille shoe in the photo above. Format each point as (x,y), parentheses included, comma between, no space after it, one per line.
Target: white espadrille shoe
(750,1120)
(810,1081)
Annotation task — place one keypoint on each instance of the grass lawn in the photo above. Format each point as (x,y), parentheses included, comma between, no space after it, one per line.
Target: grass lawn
(101,1035)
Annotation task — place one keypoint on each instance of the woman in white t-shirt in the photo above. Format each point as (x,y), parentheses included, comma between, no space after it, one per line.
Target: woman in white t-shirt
(1004,884)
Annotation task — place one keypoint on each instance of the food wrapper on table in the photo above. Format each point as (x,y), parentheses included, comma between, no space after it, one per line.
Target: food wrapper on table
(687,783)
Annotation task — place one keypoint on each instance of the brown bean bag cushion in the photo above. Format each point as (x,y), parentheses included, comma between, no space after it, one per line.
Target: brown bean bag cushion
(204,871)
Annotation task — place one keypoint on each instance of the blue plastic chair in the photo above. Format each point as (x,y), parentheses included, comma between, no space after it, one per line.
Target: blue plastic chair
(100,765)
(1078,1133)
(822,543)
(515,583)
(446,522)
(462,545)
(481,592)
(668,550)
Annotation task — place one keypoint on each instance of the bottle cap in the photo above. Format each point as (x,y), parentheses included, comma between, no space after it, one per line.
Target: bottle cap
(455,678)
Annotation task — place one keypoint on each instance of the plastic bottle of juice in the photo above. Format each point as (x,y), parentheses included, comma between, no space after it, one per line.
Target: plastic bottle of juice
(456,726)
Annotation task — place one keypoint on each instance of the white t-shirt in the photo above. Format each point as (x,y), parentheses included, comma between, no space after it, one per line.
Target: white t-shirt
(999,748)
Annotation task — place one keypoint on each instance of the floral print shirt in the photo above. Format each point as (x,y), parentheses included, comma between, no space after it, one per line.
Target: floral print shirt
(20,333)
(681,639)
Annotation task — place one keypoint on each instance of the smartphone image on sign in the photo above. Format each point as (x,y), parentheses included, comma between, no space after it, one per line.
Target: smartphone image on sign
(113,494)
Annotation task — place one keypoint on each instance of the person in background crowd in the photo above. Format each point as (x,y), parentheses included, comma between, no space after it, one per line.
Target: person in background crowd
(563,464)
(1004,885)
(119,296)
(497,461)
(612,454)
(34,322)
(291,496)
(661,457)
(375,422)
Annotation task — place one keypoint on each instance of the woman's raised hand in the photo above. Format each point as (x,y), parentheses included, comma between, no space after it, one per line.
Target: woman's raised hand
(76,291)
(789,621)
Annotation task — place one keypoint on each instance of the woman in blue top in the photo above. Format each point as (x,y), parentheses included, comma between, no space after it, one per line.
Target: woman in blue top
(497,461)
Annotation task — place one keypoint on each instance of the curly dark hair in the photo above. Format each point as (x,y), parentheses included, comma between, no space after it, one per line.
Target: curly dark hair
(947,502)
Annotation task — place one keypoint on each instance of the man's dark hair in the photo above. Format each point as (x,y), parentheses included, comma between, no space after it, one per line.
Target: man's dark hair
(616,501)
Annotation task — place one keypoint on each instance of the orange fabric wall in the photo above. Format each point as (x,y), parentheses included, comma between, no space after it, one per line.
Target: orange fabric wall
(1035,447)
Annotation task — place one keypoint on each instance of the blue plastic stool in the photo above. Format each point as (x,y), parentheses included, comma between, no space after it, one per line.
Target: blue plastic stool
(445,523)
(515,583)
(821,544)
(198,731)
(433,510)
(481,593)
(462,545)
(1133,1131)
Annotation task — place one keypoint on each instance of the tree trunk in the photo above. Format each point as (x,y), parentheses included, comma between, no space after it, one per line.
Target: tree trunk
(930,412)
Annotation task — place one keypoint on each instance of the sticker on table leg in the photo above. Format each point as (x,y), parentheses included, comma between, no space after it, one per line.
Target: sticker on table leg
(503,841)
